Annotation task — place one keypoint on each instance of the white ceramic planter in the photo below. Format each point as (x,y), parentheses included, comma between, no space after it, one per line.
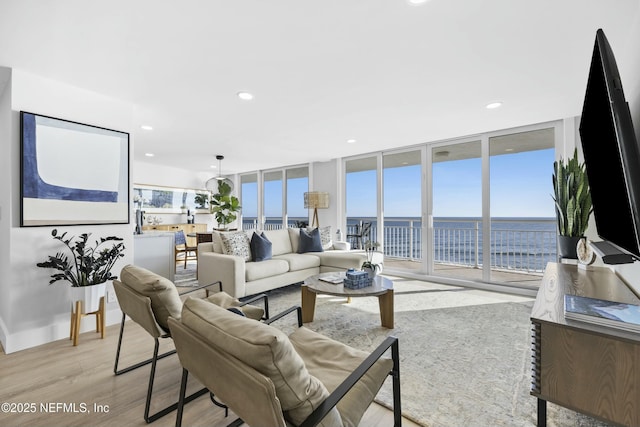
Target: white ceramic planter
(371,272)
(89,295)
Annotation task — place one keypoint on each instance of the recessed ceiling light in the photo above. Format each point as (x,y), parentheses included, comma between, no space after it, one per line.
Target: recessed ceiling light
(149,154)
(245,96)
(146,127)
(494,105)
(351,141)
(508,149)
(416,1)
(213,166)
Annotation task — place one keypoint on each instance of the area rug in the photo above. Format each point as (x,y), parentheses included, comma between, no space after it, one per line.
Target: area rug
(465,354)
(186,277)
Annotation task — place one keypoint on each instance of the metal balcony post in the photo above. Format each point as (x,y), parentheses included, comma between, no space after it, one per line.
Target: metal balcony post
(477,241)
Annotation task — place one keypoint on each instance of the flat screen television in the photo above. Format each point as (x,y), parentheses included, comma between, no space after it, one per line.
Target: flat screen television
(611,156)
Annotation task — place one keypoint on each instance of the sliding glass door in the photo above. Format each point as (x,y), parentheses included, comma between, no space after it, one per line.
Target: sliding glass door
(402,207)
(456,215)
(272,200)
(488,212)
(297,185)
(249,201)
(492,216)
(361,186)
(523,226)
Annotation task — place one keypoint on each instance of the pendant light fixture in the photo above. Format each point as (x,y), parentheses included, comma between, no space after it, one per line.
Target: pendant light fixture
(217,185)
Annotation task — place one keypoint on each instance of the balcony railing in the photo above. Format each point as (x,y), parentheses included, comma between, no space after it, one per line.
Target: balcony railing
(520,245)
(271,223)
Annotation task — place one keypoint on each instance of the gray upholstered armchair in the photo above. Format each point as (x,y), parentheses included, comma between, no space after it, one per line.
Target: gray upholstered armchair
(270,379)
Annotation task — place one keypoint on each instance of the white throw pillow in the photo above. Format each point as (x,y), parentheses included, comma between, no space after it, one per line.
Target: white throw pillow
(236,243)
(325,237)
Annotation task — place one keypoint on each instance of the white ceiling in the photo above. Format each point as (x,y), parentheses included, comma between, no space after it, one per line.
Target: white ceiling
(383,72)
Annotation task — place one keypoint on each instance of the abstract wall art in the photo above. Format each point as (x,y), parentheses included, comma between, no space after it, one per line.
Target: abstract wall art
(72,173)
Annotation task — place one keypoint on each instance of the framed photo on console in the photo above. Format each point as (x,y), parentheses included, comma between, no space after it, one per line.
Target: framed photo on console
(72,173)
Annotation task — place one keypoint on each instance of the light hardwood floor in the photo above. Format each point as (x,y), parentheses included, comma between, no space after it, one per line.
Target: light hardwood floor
(58,373)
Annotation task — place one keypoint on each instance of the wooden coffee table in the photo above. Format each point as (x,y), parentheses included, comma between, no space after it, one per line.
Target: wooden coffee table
(381,288)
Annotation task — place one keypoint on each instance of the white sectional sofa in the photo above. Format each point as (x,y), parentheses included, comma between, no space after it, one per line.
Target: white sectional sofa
(242,276)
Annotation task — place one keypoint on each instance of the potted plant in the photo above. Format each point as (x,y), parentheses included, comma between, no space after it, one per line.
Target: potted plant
(224,205)
(573,203)
(369,266)
(88,269)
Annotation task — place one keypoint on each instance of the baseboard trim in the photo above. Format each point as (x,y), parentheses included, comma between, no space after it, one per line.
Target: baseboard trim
(42,335)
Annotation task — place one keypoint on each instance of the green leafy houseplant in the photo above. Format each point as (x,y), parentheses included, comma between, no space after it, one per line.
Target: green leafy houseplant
(88,266)
(572,196)
(224,206)
(369,249)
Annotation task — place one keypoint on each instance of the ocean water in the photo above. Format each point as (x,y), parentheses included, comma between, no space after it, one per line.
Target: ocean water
(521,244)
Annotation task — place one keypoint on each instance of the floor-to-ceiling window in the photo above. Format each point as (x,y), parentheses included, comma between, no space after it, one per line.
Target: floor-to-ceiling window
(402,207)
(361,200)
(297,185)
(488,214)
(456,215)
(272,200)
(249,200)
(523,226)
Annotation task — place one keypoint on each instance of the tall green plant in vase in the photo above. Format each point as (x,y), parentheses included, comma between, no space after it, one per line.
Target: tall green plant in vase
(87,268)
(224,206)
(572,199)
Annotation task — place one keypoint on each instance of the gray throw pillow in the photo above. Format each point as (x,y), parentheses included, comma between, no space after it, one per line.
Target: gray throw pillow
(309,241)
(260,247)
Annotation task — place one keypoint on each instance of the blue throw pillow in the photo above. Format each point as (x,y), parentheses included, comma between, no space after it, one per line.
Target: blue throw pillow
(309,241)
(260,247)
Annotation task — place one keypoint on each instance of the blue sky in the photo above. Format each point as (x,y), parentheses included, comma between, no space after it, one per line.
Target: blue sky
(296,187)
(520,187)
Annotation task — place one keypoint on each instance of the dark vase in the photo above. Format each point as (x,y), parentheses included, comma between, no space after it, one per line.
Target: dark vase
(567,246)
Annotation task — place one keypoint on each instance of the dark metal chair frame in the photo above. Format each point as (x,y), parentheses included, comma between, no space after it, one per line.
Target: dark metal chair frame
(362,231)
(154,359)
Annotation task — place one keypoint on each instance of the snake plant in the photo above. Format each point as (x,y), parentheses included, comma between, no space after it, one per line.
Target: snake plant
(572,196)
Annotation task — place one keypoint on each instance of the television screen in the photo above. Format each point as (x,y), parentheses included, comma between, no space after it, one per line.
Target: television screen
(611,153)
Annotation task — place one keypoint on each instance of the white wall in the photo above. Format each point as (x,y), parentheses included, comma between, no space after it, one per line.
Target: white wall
(149,174)
(32,312)
(5,193)
(629,72)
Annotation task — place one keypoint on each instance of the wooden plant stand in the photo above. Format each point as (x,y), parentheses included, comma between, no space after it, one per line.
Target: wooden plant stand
(77,315)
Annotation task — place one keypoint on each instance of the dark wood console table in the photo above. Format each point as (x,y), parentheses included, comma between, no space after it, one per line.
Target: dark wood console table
(587,368)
